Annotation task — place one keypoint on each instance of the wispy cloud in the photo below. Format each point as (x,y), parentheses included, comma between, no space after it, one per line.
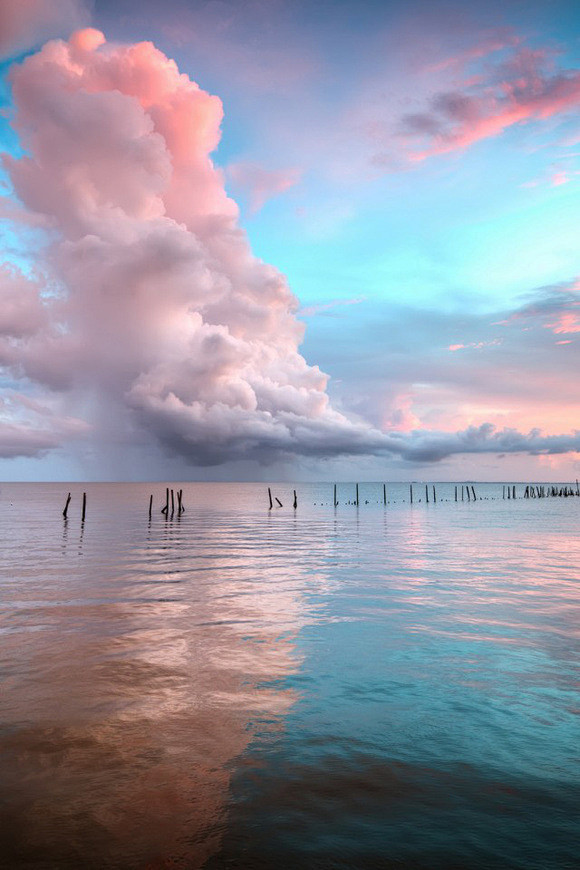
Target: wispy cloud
(260,184)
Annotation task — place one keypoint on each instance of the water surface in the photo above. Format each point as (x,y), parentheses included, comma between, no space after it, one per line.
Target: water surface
(351,687)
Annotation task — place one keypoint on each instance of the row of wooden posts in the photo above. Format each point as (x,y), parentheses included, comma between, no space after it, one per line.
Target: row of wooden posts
(467,493)
(535,491)
(83,509)
(176,497)
(295,504)
(171,498)
(357,502)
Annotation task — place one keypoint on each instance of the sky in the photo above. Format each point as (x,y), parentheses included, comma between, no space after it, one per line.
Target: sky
(260,240)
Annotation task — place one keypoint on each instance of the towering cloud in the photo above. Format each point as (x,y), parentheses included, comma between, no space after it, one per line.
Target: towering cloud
(153,299)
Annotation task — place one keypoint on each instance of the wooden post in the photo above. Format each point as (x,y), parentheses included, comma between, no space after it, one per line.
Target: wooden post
(455,492)
(434,495)
(165,510)
(357,495)
(279,502)
(503,491)
(384,493)
(467,488)
(473,491)
(514,492)
(84,507)
(270,497)
(334,496)
(150,504)
(427,493)
(411,492)
(295,505)
(462,499)
(66,506)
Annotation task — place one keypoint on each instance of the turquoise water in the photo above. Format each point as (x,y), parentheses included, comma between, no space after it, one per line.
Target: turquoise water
(351,687)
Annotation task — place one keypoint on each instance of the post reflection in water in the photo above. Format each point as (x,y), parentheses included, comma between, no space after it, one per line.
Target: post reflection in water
(341,686)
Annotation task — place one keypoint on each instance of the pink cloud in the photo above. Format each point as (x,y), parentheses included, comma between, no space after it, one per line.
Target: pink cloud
(489,43)
(475,344)
(163,312)
(518,92)
(26,23)
(567,322)
(262,184)
(326,307)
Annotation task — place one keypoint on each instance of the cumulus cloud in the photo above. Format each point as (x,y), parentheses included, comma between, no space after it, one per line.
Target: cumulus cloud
(159,304)
(26,23)
(148,301)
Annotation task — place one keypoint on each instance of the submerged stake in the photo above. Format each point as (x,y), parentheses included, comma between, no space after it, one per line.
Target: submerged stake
(66,506)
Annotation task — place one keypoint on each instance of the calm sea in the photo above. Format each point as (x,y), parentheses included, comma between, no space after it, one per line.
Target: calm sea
(353,687)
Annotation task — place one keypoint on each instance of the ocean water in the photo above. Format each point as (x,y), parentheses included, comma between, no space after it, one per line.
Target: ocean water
(353,687)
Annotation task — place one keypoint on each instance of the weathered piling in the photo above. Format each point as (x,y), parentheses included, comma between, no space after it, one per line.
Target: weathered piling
(270,497)
(427,493)
(357,495)
(384,493)
(467,490)
(84,507)
(295,505)
(165,510)
(462,499)
(456,492)
(172,504)
(150,504)
(279,502)
(411,492)
(434,495)
(514,492)
(503,491)
(334,496)
(473,491)
(64,513)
